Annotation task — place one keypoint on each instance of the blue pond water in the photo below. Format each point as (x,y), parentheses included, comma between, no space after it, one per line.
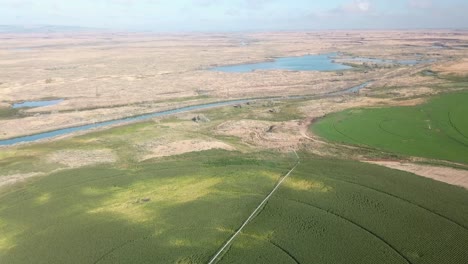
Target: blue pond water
(323,62)
(37,103)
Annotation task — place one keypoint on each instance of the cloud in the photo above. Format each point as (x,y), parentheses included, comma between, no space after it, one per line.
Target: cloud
(357,6)
(354,7)
(256,4)
(350,8)
(16,3)
(362,6)
(205,15)
(246,4)
(420,4)
(204,3)
(232,12)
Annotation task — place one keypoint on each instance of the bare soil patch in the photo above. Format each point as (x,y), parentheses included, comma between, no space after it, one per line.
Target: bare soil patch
(264,134)
(443,174)
(79,158)
(18,177)
(458,68)
(162,149)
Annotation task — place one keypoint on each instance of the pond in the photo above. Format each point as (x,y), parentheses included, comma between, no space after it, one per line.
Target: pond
(322,62)
(37,103)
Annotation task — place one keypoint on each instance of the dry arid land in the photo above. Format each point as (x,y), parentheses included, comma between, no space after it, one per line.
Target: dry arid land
(374,176)
(105,76)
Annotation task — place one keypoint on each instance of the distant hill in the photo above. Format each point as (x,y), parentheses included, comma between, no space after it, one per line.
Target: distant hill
(43,29)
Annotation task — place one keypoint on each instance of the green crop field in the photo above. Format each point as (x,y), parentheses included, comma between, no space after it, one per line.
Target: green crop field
(171,211)
(437,129)
(182,209)
(334,211)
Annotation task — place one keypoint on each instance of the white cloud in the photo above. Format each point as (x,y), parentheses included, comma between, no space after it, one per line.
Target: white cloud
(364,6)
(420,4)
(353,7)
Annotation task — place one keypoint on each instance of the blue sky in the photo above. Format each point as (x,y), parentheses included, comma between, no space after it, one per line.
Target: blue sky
(237,15)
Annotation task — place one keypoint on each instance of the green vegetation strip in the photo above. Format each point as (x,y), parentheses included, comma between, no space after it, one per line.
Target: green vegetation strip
(8,113)
(437,129)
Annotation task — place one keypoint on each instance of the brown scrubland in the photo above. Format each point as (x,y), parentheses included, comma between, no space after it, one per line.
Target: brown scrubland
(105,76)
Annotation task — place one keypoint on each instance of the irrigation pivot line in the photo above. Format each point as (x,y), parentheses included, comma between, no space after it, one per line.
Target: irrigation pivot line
(254,213)
(297,156)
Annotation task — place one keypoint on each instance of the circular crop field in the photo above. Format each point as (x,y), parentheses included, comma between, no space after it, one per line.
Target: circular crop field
(437,129)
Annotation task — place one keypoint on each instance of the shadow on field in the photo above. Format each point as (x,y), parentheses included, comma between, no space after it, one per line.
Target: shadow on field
(175,210)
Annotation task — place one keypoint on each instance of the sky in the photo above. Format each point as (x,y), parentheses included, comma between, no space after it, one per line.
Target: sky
(237,15)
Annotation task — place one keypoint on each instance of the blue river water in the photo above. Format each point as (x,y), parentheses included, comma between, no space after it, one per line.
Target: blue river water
(322,62)
(66,131)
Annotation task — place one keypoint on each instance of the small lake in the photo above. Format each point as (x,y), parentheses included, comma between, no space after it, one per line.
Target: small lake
(37,103)
(323,62)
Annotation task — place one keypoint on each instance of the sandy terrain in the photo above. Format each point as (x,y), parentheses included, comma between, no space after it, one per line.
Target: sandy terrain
(163,149)
(104,76)
(459,67)
(263,134)
(443,174)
